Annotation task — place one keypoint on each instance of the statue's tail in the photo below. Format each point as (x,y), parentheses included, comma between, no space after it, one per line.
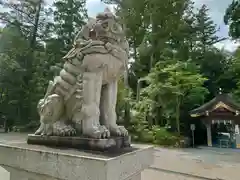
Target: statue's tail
(50,89)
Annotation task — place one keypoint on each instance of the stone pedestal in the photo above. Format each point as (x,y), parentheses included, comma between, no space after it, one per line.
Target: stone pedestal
(83,143)
(4,174)
(72,164)
(18,174)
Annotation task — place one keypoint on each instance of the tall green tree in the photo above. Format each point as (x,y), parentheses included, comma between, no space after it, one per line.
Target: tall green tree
(206,29)
(213,62)
(30,17)
(13,100)
(26,25)
(232,18)
(69,17)
(169,85)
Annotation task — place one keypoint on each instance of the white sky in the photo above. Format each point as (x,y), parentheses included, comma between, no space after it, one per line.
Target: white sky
(217,10)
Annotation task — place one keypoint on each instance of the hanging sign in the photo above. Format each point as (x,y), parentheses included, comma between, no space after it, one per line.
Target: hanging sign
(192,127)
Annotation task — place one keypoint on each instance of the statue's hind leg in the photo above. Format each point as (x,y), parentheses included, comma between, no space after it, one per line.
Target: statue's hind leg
(92,84)
(108,109)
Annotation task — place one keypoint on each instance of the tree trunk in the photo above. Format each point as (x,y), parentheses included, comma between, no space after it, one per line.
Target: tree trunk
(178,103)
(35,27)
(135,48)
(126,114)
(70,23)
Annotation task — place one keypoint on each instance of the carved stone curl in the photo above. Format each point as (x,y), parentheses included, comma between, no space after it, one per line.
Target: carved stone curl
(82,98)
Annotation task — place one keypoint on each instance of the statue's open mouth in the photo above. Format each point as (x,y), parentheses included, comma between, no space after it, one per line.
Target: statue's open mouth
(86,87)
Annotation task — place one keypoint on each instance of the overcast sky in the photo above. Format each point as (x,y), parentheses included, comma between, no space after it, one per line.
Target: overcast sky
(217,10)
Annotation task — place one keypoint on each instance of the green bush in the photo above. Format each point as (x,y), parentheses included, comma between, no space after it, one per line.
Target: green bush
(140,131)
(157,135)
(138,127)
(30,127)
(163,137)
(147,136)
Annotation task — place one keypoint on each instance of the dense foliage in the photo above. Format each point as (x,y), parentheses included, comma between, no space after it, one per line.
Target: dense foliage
(175,66)
(231,18)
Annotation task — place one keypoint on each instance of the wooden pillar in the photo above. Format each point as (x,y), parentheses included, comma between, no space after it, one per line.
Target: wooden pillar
(209,134)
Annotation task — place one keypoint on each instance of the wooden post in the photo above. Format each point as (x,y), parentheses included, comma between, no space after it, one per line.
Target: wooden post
(209,134)
(5,125)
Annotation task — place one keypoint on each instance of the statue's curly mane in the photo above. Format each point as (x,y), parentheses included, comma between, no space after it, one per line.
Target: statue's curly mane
(105,28)
(98,57)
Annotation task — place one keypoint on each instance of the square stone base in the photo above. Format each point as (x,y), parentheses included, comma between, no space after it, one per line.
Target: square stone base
(83,143)
(4,174)
(71,164)
(18,174)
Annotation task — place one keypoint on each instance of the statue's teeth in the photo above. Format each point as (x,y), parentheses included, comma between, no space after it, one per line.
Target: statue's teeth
(79,90)
(79,84)
(78,97)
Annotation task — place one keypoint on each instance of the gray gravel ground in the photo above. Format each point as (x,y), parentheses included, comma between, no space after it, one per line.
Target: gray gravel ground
(179,164)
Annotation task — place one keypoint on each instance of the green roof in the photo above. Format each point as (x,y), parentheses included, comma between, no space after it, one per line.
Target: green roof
(224,98)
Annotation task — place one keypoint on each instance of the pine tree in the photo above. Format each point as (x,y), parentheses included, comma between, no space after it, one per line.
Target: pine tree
(206,29)
(30,17)
(69,17)
(25,27)
(212,61)
(232,18)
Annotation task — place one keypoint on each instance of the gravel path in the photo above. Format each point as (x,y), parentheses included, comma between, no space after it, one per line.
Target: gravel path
(217,164)
(181,164)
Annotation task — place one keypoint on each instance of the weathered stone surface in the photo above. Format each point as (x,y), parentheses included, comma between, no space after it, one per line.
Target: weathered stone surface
(18,174)
(113,143)
(69,164)
(82,98)
(4,174)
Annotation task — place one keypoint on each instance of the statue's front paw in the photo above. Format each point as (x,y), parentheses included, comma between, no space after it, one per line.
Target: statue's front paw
(104,131)
(100,132)
(44,130)
(64,130)
(39,131)
(118,130)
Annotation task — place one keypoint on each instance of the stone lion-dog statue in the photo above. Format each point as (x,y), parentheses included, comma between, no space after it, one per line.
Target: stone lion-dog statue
(82,98)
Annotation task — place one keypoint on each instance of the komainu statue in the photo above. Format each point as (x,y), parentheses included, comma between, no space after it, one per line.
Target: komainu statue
(82,98)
